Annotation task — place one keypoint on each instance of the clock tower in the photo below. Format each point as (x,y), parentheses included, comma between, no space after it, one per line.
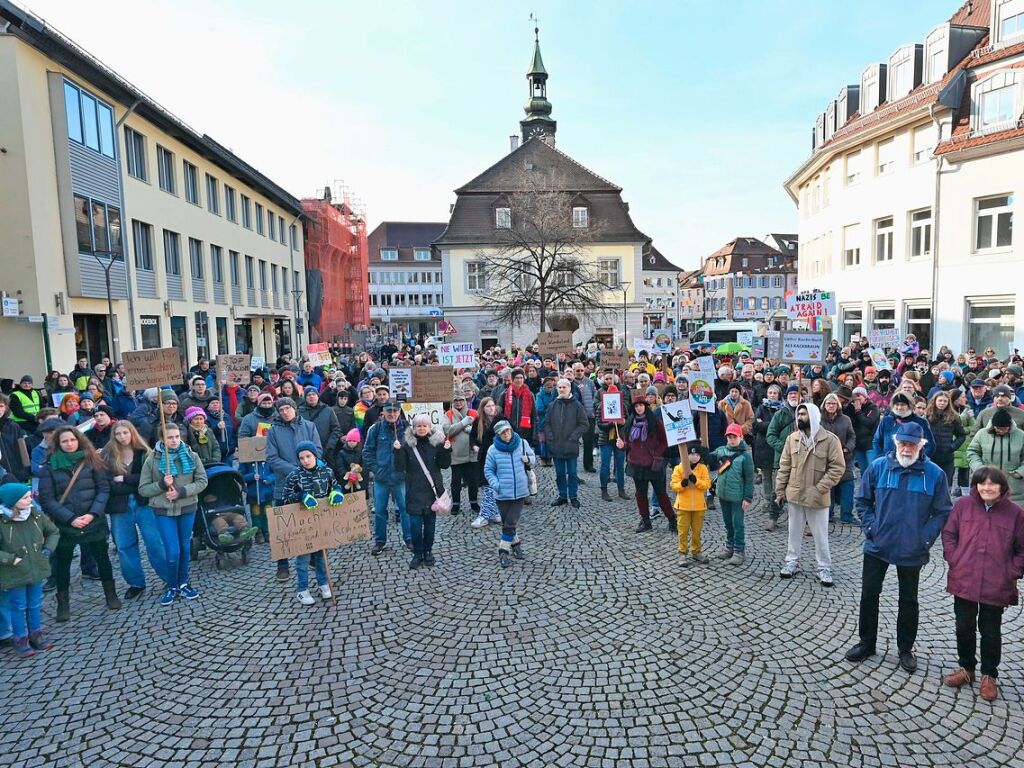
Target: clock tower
(538,122)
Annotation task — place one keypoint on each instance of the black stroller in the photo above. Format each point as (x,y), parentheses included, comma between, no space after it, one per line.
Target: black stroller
(223,495)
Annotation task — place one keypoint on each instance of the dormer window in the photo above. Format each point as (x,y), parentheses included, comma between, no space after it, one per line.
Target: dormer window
(873,88)
(503,218)
(904,71)
(997,103)
(936,54)
(1009,19)
(389,254)
(580,217)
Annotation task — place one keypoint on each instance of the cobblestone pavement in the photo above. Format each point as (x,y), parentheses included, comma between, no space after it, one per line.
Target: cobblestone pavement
(598,651)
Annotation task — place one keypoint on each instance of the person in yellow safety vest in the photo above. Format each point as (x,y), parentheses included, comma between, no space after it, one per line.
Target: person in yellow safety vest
(25,404)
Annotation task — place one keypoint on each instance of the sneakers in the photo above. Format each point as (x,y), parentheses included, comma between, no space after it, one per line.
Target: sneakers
(23,649)
(282,574)
(959,677)
(169,596)
(132,592)
(825,577)
(305,598)
(503,558)
(378,547)
(645,525)
(789,570)
(455,510)
(325,591)
(188,591)
(226,539)
(605,496)
(408,545)
(989,689)
(479,522)
(739,557)
(908,661)
(415,562)
(687,562)
(575,503)
(860,651)
(38,641)
(725,553)
(248,533)
(428,559)
(700,557)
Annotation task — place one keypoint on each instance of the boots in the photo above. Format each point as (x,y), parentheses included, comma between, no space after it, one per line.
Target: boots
(667,511)
(644,506)
(37,641)
(623,494)
(738,557)
(503,558)
(63,606)
(517,551)
(23,649)
(110,593)
(605,496)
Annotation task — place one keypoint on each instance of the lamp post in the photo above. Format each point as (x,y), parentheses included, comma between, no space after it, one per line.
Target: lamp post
(106,260)
(624,287)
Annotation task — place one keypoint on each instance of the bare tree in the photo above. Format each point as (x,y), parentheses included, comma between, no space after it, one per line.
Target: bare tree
(541,270)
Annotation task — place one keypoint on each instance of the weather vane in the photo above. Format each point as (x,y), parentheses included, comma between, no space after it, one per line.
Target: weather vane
(536,26)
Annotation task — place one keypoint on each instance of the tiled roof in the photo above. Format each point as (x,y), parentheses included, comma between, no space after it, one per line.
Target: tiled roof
(961,137)
(744,246)
(406,236)
(564,171)
(654,261)
(973,13)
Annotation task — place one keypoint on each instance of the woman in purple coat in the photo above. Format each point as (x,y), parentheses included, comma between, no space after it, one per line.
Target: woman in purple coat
(983,542)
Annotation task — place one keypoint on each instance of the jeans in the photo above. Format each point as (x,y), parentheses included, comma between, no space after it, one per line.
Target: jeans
(176,533)
(608,452)
(423,532)
(870,590)
(842,493)
(65,552)
(566,478)
(302,570)
(5,619)
(24,602)
(863,459)
(977,617)
(732,517)
(464,473)
(125,528)
(511,510)
(381,494)
(588,446)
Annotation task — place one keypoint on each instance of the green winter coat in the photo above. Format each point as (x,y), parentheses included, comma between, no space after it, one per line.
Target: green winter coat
(189,484)
(26,540)
(970,424)
(1007,453)
(737,482)
(779,428)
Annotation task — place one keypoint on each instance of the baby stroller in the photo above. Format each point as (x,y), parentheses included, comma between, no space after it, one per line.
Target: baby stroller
(223,495)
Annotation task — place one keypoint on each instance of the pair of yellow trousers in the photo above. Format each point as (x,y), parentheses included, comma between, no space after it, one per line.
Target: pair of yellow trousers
(687,522)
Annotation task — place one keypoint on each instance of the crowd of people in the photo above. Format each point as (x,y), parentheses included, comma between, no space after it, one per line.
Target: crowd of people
(883,446)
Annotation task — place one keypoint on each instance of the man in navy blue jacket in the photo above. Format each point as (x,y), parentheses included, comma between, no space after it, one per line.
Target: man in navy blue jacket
(903,502)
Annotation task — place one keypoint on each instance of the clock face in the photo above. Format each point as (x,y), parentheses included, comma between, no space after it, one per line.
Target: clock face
(536,131)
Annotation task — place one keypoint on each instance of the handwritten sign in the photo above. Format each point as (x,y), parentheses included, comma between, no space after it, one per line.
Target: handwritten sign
(295,530)
(804,304)
(434,410)
(252,448)
(884,338)
(319,354)
(400,383)
(678,418)
(773,345)
(152,367)
(431,384)
(554,342)
(803,347)
(460,354)
(643,345)
(233,369)
(613,407)
(614,359)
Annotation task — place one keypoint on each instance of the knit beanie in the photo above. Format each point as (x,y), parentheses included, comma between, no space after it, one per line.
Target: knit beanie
(794,387)
(281,402)
(307,445)
(195,410)
(1001,418)
(353,435)
(11,493)
(501,426)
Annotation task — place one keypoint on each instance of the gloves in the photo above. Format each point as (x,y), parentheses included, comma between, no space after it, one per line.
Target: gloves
(685,482)
(335,497)
(693,478)
(46,552)
(309,501)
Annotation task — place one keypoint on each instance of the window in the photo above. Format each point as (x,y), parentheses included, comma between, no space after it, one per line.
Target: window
(273,278)
(195,257)
(902,75)
(763,282)
(919,323)
(230,210)
(744,261)
(271,226)
(883,240)
(580,217)
(250,273)
(776,302)
(191,182)
(295,237)
(142,236)
(90,121)
(100,235)
(73,109)
(135,153)
(997,108)
(990,324)
(280,230)
(883,317)
(994,222)
(738,304)
(852,322)
(263,275)
(97,227)
(1011,20)
(921,233)
(259,219)
(421,254)
(233,266)
(165,170)
(476,276)
(389,254)
(852,168)
(217,264)
(83,223)
(886,153)
(851,246)
(924,143)
(172,252)
(764,303)
(246,212)
(777,281)
(503,218)
(212,195)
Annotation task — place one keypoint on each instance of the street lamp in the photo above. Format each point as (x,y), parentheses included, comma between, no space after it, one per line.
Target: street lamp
(106,260)
(624,287)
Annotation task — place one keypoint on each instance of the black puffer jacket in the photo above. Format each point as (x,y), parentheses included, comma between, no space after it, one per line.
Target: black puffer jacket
(864,423)
(948,437)
(484,445)
(10,452)
(764,454)
(842,428)
(565,423)
(418,493)
(88,496)
(121,492)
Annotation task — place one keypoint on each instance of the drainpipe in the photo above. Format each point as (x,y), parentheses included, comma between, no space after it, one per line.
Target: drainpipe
(935,231)
(124,233)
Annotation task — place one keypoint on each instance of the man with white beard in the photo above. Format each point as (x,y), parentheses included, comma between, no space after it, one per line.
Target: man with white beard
(903,502)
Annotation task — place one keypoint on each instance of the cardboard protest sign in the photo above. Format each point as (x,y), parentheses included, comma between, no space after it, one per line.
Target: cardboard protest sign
(252,448)
(233,369)
(773,345)
(803,347)
(614,358)
(460,354)
(431,384)
(434,410)
(613,407)
(678,420)
(554,342)
(295,530)
(319,354)
(152,367)
(400,383)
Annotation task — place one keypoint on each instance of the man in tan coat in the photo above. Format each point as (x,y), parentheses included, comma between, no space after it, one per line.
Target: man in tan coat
(811,463)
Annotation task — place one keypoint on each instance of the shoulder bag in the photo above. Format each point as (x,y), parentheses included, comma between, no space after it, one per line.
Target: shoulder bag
(442,504)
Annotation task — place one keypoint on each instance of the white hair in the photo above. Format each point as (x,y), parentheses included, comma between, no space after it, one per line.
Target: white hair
(923,442)
(421,418)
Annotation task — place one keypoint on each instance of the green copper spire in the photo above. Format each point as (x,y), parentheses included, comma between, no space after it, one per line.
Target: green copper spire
(538,122)
(538,63)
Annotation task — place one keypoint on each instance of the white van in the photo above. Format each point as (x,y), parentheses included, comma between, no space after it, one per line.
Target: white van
(714,334)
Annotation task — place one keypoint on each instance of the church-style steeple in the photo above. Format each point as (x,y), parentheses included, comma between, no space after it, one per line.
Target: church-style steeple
(538,122)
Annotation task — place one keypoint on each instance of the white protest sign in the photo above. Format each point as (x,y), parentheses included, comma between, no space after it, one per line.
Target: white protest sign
(400,383)
(745,337)
(434,410)
(702,385)
(804,304)
(678,420)
(884,338)
(458,355)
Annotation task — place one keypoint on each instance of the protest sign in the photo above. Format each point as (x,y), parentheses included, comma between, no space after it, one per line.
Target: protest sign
(803,347)
(400,381)
(152,367)
(805,304)
(879,360)
(773,345)
(460,354)
(295,530)
(643,345)
(614,358)
(58,398)
(702,385)
(257,363)
(431,384)
(884,338)
(612,407)
(746,338)
(319,354)
(683,344)
(554,342)
(678,418)
(252,448)
(662,342)
(434,410)
(233,369)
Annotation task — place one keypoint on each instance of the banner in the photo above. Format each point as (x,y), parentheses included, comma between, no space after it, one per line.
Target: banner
(805,304)
(152,368)
(460,354)
(555,342)
(233,369)
(884,338)
(319,354)
(702,385)
(803,347)
(431,384)
(678,418)
(295,530)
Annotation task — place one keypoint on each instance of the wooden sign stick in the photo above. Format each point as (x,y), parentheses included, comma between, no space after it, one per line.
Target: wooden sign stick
(704,429)
(330,581)
(163,428)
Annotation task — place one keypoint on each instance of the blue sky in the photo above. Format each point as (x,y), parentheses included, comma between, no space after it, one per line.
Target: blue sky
(699,110)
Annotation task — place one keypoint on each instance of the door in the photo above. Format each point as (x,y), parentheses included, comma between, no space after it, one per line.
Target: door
(179,338)
(222,335)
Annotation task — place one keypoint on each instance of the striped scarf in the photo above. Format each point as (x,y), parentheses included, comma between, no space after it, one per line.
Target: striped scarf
(183,456)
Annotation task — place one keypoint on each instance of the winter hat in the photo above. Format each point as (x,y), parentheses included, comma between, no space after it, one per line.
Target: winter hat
(651,390)
(194,379)
(793,387)
(1016,370)
(870,370)
(51,424)
(253,388)
(86,396)
(281,402)
(311,391)
(263,397)
(860,391)
(151,394)
(1002,389)
(353,435)
(978,382)
(195,410)
(458,394)
(947,376)
(900,399)
(670,389)
(734,429)
(1000,418)
(843,392)
(910,432)
(11,493)
(307,445)
(501,426)
(659,376)
(169,396)
(105,409)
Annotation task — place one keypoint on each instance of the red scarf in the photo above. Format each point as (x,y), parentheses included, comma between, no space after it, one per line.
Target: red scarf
(526,404)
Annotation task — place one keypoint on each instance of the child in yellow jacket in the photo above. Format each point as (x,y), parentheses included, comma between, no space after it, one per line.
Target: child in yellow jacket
(691,481)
